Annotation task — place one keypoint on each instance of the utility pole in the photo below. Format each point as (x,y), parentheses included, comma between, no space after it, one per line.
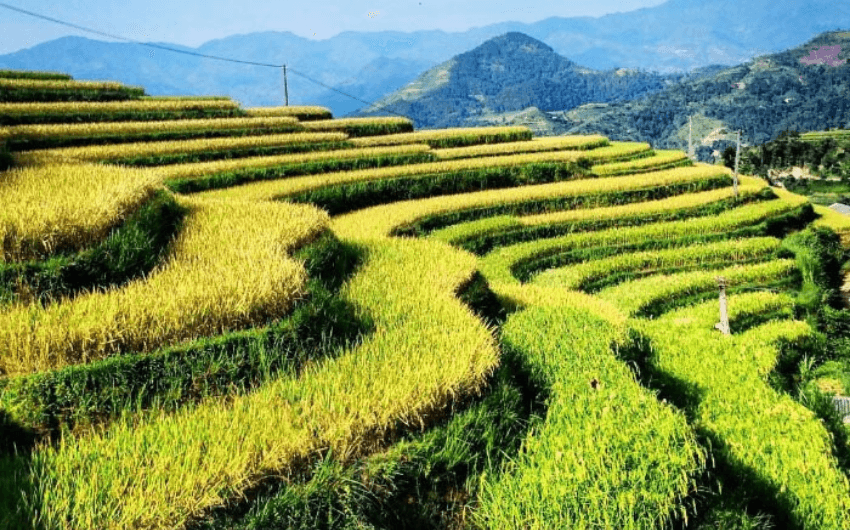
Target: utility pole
(737,159)
(723,325)
(690,137)
(285,87)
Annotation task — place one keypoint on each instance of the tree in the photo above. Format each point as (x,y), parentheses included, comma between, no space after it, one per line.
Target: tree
(729,157)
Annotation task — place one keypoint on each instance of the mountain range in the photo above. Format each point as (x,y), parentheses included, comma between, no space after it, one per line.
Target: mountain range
(676,36)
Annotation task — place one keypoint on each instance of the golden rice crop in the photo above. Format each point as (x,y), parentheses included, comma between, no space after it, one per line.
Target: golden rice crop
(60,84)
(616,150)
(436,134)
(342,123)
(497,265)
(266,112)
(63,206)
(839,223)
(202,145)
(122,128)
(105,107)
(660,158)
(171,467)
(227,270)
(718,253)
(201,169)
(529,146)
(670,204)
(381,220)
(634,295)
(281,188)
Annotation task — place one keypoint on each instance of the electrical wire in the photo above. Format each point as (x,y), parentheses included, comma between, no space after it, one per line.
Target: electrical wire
(191,53)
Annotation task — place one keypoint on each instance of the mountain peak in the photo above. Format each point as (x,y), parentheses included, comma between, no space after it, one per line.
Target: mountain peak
(510,43)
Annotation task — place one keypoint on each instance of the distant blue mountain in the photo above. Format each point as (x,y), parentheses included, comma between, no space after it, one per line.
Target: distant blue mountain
(678,35)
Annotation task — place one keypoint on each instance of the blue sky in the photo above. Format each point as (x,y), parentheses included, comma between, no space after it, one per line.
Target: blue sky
(193,22)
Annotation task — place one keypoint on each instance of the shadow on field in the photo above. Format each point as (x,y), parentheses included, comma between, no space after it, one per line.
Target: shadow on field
(17,487)
(727,481)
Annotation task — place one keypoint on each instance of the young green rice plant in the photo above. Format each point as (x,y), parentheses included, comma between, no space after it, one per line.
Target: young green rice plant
(138,153)
(446,138)
(609,454)
(660,160)
(27,137)
(66,112)
(241,246)
(302,113)
(759,437)
(534,145)
(384,219)
(592,275)
(356,127)
(65,207)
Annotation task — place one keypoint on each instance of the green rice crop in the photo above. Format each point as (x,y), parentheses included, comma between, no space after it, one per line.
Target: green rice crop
(609,454)
(765,439)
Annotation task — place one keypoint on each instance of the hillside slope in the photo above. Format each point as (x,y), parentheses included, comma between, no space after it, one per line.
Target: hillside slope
(509,73)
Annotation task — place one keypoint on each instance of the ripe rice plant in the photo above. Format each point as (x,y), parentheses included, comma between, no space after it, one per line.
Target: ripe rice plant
(241,246)
(535,145)
(292,186)
(223,173)
(11,84)
(835,221)
(618,151)
(483,234)
(26,137)
(498,266)
(609,454)
(183,98)
(302,113)
(362,126)
(660,160)
(775,446)
(85,202)
(444,138)
(64,112)
(127,153)
(28,74)
(589,275)
(171,467)
(384,219)
(636,296)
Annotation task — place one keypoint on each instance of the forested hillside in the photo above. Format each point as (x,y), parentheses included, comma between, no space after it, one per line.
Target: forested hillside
(510,73)
(802,89)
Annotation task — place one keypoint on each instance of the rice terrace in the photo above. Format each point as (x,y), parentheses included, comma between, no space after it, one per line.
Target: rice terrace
(216,317)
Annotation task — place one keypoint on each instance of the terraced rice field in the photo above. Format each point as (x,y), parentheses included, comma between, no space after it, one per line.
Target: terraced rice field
(319,323)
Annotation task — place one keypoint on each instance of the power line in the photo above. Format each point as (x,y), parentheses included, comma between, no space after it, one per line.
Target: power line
(187,52)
